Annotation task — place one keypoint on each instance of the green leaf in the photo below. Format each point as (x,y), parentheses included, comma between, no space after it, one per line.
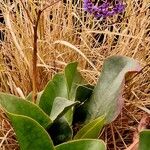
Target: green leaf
(60,107)
(62,85)
(60,131)
(73,79)
(30,134)
(144,143)
(20,106)
(84,92)
(70,72)
(55,88)
(83,95)
(84,144)
(91,130)
(107,95)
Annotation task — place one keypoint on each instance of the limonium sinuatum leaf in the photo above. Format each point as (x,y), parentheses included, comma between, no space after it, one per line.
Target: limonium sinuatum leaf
(60,131)
(60,107)
(107,94)
(144,143)
(83,94)
(55,88)
(92,129)
(20,106)
(30,134)
(84,144)
(73,79)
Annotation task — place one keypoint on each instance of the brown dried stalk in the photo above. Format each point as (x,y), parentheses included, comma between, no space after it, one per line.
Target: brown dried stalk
(35,46)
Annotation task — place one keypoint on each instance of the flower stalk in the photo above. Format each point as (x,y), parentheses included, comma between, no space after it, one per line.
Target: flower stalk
(35,50)
(34,59)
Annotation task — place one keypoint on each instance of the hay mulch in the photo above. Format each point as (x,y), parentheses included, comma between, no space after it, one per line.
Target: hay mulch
(67,34)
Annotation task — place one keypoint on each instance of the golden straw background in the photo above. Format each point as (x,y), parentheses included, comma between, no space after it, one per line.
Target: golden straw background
(66,33)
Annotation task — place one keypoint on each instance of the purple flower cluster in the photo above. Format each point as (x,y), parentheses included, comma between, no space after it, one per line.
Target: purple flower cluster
(104,10)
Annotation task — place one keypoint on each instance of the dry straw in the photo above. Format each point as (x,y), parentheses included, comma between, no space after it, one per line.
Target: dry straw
(66,33)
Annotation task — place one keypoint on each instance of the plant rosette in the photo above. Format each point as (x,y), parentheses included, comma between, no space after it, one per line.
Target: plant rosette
(68,100)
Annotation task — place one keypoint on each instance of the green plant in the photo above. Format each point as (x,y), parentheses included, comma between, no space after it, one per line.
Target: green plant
(144,143)
(68,100)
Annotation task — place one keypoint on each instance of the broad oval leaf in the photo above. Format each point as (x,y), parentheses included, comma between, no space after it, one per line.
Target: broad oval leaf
(91,130)
(83,94)
(84,144)
(107,94)
(62,85)
(20,106)
(60,107)
(60,131)
(30,134)
(70,72)
(144,143)
(73,79)
(55,88)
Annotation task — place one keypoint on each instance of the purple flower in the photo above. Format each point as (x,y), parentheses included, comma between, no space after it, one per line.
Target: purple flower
(87,5)
(104,10)
(119,8)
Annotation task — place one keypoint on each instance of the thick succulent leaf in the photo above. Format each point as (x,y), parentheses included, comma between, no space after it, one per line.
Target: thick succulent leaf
(91,130)
(60,107)
(20,106)
(30,134)
(84,144)
(144,143)
(83,94)
(70,72)
(55,88)
(73,79)
(60,131)
(62,85)
(107,94)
